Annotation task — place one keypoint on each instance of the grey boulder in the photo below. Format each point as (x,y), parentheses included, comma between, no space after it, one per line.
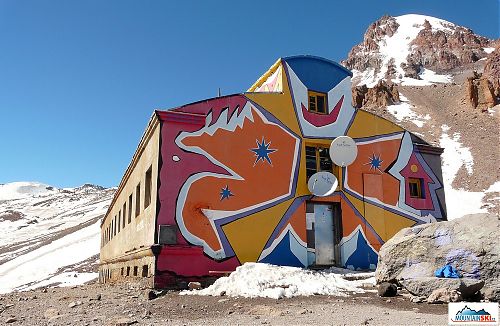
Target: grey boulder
(424,286)
(470,243)
(444,296)
(387,289)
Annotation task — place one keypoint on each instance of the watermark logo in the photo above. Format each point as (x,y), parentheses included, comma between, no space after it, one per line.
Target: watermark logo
(473,313)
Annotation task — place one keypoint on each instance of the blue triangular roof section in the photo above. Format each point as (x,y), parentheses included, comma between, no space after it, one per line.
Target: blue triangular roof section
(317,74)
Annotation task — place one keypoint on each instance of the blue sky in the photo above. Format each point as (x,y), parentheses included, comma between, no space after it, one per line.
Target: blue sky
(80,79)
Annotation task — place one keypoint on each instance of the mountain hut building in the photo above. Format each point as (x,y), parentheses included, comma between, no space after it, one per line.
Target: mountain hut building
(223,181)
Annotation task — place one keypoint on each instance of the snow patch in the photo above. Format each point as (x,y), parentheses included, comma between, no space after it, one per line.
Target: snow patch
(459,202)
(488,50)
(253,280)
(66,279)
(403,112)
(427,77)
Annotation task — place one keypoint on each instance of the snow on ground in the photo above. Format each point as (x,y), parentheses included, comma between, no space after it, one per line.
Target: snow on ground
(41,264)
(460,202)
(28,220)
(397,48)
(427,77)
(488,50)
(253,280)
(403,111)
(66,279)
(46,231)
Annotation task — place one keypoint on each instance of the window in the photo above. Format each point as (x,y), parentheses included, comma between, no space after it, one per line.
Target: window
(128,270)
(148,185)
(138,200)
(124,214)
(144,271)
(136,269)
(119,220)
(114,226)
(415,185)
(317,102)
(130,208)
(318,159)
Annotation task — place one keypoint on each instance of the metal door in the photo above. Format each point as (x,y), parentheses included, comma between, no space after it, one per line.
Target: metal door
(323,234)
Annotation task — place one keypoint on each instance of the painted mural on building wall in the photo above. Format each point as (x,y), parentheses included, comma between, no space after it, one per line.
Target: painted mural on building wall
(234,177)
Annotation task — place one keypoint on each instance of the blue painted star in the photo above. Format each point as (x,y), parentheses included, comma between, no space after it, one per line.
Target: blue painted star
(375,162)
(262,151)
(225,193)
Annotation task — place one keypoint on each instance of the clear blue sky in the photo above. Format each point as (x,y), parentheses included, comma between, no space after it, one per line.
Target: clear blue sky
(80,79)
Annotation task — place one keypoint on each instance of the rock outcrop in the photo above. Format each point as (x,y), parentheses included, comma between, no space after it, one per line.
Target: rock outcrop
(481,93)
(470,243)
(492,71)
(381,95)
(444,50)
(376,32)
(483,90)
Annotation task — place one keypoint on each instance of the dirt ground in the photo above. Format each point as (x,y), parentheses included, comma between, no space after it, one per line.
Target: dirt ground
(124,304)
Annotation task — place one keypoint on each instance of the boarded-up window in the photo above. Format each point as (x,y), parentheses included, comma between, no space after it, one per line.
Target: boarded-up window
(148,185)
(138,200)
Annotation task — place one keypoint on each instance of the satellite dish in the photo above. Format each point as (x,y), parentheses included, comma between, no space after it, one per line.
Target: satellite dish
(343,151)
(322,184)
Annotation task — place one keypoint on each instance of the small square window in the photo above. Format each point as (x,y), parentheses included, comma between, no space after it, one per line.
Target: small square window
(415,186)
(317,102)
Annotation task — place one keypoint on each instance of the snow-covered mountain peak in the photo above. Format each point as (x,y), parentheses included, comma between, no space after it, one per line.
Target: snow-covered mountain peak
(24,189)
(414,50)
(417,22)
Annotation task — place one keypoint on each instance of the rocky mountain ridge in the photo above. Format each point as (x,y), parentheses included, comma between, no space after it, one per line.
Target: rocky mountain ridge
(409,48)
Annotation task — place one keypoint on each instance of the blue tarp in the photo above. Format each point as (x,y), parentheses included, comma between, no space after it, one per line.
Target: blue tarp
(447,271)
